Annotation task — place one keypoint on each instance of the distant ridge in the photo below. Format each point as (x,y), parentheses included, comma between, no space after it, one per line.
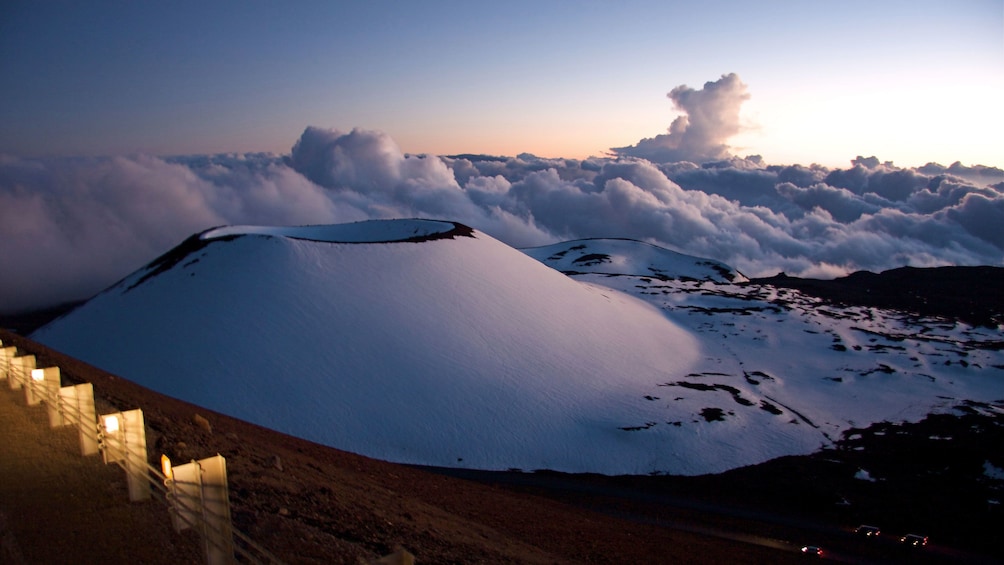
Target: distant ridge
(972,294)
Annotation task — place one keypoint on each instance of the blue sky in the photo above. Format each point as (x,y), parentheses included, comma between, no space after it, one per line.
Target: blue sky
(910,82)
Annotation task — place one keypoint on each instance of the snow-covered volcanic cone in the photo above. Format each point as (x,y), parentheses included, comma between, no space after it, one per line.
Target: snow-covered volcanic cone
(408,340)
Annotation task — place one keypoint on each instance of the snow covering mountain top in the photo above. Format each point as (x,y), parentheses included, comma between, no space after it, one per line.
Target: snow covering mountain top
(459,351)
(465,352)
(631,257)
(371,231)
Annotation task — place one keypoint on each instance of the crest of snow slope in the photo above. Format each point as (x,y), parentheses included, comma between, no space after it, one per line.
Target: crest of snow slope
(630,257)
(438,345)
(781,372)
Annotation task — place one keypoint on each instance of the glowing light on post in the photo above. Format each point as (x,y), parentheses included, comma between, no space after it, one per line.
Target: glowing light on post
(165,466)
(37,375)
(125,444)
(111,423)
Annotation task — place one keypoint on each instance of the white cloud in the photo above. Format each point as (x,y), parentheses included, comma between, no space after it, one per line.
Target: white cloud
(981,216)
(72,226)
(840,203)
(711,117)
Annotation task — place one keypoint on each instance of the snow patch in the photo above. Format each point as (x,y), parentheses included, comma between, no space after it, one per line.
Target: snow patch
(863,475)
(993,472)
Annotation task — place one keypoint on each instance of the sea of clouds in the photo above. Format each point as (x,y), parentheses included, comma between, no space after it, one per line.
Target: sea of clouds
(70,227)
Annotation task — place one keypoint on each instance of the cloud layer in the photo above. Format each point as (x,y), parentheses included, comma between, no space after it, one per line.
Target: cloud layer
(71,227)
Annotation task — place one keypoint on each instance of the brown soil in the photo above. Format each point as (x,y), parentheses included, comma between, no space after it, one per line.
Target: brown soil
(303,502)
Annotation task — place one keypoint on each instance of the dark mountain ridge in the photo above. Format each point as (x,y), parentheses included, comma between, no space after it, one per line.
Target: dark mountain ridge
(974,295)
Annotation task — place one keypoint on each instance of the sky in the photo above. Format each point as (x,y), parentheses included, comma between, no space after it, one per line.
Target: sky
(911,82)
(476,355)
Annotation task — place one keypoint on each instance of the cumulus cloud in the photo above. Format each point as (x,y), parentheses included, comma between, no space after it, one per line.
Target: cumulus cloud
(71,227)
(980,216)
(978,174)
(710,117)
(368,170)
(841,204)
